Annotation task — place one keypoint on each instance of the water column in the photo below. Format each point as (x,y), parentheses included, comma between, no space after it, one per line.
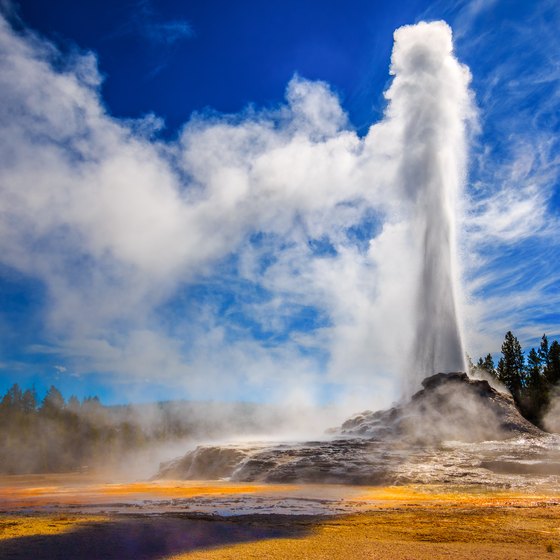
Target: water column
(429,100)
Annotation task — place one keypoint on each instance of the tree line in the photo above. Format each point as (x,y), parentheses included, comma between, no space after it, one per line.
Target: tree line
(532,380)
(58,436)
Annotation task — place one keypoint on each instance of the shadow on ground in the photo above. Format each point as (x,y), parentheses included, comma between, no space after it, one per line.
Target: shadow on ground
(146,538)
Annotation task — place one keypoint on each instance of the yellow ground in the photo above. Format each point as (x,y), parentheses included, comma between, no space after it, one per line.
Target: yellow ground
(27,526)
(415,533)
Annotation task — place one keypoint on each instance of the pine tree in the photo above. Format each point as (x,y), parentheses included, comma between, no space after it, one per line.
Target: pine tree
(73,404)
(553,369)
(487,364)
(511,366)
(12,400)
(53,402)
(534,369)
(29,401)
(534,396)
(544,352)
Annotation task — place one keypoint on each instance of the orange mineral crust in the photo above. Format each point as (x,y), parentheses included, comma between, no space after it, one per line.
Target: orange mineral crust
(44,490)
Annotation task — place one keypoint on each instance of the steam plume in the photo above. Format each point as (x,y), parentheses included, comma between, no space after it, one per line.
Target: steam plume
(429,97)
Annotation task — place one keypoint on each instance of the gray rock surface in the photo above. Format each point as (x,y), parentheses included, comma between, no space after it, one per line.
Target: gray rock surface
(450,406)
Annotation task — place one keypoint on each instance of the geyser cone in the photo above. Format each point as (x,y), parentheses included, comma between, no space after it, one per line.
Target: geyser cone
(430,99)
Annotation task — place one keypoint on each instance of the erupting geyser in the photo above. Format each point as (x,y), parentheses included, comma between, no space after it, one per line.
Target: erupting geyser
(430,101)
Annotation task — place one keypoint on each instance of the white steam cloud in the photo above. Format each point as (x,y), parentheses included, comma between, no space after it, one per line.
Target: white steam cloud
(289,202)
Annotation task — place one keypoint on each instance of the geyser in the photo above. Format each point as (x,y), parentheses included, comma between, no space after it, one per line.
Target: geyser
(430,101)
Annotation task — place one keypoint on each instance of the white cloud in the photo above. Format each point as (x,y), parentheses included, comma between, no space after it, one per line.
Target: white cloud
(516,206)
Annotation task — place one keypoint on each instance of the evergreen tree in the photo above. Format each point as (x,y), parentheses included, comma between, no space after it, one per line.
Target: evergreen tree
(534,397)
(534,369)
(29,401)
(487,364)
(12,400)
(73,404)
(544,352)
(553,369)
(53,402)
(511,366)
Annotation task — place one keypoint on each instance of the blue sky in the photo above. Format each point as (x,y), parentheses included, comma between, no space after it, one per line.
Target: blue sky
(229,54)
(117,279)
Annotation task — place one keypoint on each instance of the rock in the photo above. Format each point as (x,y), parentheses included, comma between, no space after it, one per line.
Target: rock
(204,462)
(449,407)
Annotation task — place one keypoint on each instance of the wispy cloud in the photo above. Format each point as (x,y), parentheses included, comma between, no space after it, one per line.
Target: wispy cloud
(168,32)
(145,22)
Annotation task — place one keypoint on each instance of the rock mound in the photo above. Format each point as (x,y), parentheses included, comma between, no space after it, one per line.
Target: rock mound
(451,406)
(453,429)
